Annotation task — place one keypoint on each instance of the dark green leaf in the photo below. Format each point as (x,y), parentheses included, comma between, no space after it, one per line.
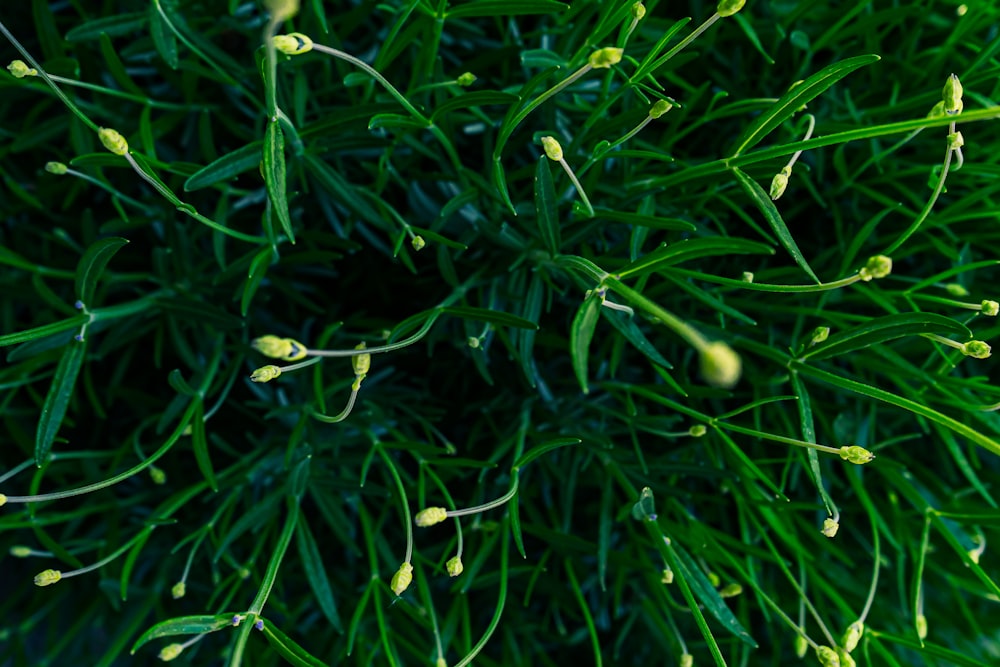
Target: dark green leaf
(580,334)
(545,206)
(92,264)
(226,167)
(886,328)
(163,38)
(200,446)
(505,8)
(57,400)
(690,249)
(258,269)
(650,221)
(184,625)
(496,317)
(274,175)
(288,649)
(113,26)
(478,98)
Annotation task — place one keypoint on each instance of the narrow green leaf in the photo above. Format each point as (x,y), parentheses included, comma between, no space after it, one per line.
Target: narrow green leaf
(200,446)
(288,649)
(146,167)
(542,449)
(886,328)
(651,221)
(801,94)
(581,332)
(395,121)
(515,525)
(505,8)
(763,202)
(179,384)
(274,175)
(497,317)
(650,62)
(479,98)
(630,330)
(57,400)
(545,206)
(164,39)
(691,249)
(258,269)
(42,331)
(225,167)
(91,265)
(183,625)
(312,563)
(116,68)
(113,26)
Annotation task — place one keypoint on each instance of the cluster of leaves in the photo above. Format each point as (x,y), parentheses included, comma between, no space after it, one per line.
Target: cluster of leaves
(548,331)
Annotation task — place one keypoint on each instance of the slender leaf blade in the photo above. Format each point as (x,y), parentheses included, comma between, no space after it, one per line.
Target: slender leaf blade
(883,329)
(312,563)
(92,264)
(225,167)
(545,206)
(274,175)
(183,625)
(580,334)
(57,400)
(288,649)
(497,317)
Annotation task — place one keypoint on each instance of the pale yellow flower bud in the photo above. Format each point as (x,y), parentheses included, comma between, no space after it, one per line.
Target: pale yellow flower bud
(418,243)
(697,431)
(713,579)
(990,308)
(801,646)
(605,58)
(3,500)
(687,660)
(855,454)
(779,183)
(170,651)
(730,591)
(661,107)
(976,349)
(158,476)
(20,551)
(47,577)
(921,626)
(293,44)
(282,9)
(955,141)
(747,277)
(466,79)
(952,95)
(827,657)
(441,663)
(729,7)
(638,11)
(667,577)
(878,266)
(430,516)
(265,374)
(113,140)
(956,289)
(553,150)
(287,349)
(402,579)
(852,636)
(178,590)
(820,334)
(57,168)
(20,70)
(830,527)
(720,365)
(845,658)
(454,566)
(361,363)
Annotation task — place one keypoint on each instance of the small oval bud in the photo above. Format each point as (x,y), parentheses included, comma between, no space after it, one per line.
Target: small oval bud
(855,454)
(402,579)
(20,70)
(921,626)
(170,651)
(418,243)
(819,335)
(57,168)
(20,551)
(605,58)
(293,44)
(801,646)
(430,516)
(852,636)
(747,277)
(878,266)
(466,79)
(661,107)
(974,554)
(113,140)
(729,7)
(178,590)
(936,111)
(713,579)
(830,527)
(638,11)
(286,349)
(441,662)
(361,363)
(3,500)
(158,476)
(952,95)
(697,431)
(553,150)
(454,566)
(845,658)
(989,308)
(827,657)
(779,183)
(687,660)
(730,591)
(956,289)
(472,342)
(720,365)
(976,349)
(282,9)
(955,141)
(265,374)
(47,577)
(667,577)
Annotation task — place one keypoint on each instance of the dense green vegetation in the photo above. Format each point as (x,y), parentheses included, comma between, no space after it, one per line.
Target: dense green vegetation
(510,332)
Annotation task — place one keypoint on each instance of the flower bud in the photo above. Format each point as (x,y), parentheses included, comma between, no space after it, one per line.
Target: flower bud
(830,527)
(287,349)
(20,551)
(293,44)
(697,431)
(956,289)
(819,335)
(466,79)
(282,9)
(827,657)
(878,266)
(265,374)
(430,516)
(779,183)
(687,660)
(3,500)
(57,168)
(418,243)
(667,577)
(921,626)
(178,590)
(20,70)
(638,11)
(845,658)
(552,149)
(605,58)
(730,591)
(952,95)
(976,349)
(852,636)
(402,579)
(936,111)
(113,140)
(454,566)
(47,577)
(361,362)
(472,342)
(801,646)
(713,579)
(259,624)
(990,308)
(170,651)
(158,476)
(747,277)
(955,141)
(441,662)
(855,454)
(720,365)
(661,107)
(729,7)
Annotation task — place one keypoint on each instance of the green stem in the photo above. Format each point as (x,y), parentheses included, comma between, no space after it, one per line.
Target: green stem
(915,225)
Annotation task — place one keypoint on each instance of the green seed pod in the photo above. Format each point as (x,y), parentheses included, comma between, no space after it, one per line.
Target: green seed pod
(605,58)
(293,44)
(779,183)
(265,374)
(952,95)
(20,70)
(990,308)
(720,365)
(855,454)
(178,590)
(454,566)
(659,108)
(976,349)
(697,431)
(362,362)
(47,577)
(402,579)
(170,651)
(430,516)
(921,626)
(553,150)
(466,79)
(729,7)
(113,140)
(830,527)
(418,243)
(878,266)
(20,551)
(852,636)
(57,168)
(638,11)
(827,657)
(801,646)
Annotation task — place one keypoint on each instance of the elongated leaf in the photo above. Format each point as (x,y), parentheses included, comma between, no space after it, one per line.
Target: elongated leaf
(42,331)
(767,207)
(690,249)
(801,94)
(258,269)
(882,329)
(183,625)
(497,317)
(505,8)
(627,327)
(92,264)
(274,175)
(479,98)
(653,222)
(179,384)
(542,449)
(312,563)
(200,446)
(164,39)
(225,167)
(545,206)
(581,332)
(119,24)
(395,121)
(57,400)
(288,649)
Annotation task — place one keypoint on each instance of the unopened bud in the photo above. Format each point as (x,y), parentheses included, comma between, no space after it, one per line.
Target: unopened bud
(729,7)
(265,374)
(827,657)
(465,80)
(852,636)
(418,243)
(158,476)
(956,289)
(402,579)
(170,651)
(955,141)
(713,579)
(730,591)
(820,334)
(936,111)
(845,658)
(20,70)
(3,500)
(605,58)
(20,551)
(855,454)
(57,168)
(361,363)
(801,646)
(697,431)
(430,516)
(921,626)
(454,566)
(441,662)
(878,266)
(113,140)
(293,44)
(638,11)
(178,590)
(286,349)
(282,9)
(747,276)
(720,365)
(976,349)
(472,342)
(780,182)
(661,107)
(952,95)
(47,577)
(687,660)
(667,577)
(990,308)
(553,150)
(830,527)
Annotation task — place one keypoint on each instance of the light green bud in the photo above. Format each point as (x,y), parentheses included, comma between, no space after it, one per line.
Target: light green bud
(855,454)
(402,579)
(3,500)
(952,95)
(956,289)
(472,342)
(687,660)
(827,657)
(852,636)
(878,266)
(430,516)
(845,658)
(466,79)
(976,349)
(158,476)
(293,44)
(265,374)
(57,168)
(713,579)
(20,551)
(667,577)
(989,308)
(638,11)
(720,365)
(659,108)
(418,243)
(801,646)
(170,651)
(20,70)
(779,183)
(729,7)
(553,150)
(955,141)
(730,591)
(819,335)
(361,363)
(747,276)
(178,590)
(47,577)
(936,111)
(282,9)
(605,58)
(697,431)
(454,566)
(113,140)
(286,349)
(921,626)
(830,527)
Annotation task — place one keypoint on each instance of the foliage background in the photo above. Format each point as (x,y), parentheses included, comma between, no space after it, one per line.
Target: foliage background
(443,414)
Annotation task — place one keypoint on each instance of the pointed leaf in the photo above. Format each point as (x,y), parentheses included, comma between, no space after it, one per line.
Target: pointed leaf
(580,334)
(312,563)
(288,649)
(225,167)
(545,206)
(184,625)
(92,264)
(690,249)
(882,329)
(274,175)
(57,400)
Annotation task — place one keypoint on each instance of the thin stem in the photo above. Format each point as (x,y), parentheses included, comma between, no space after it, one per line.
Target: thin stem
(107,188)
(138,99)
(944,341)
(777,438)
(104,561)
(579,188)
(381,348)
(915,225)
(490,505)
(668,319)
(342,415)
(407,521)
(809,132)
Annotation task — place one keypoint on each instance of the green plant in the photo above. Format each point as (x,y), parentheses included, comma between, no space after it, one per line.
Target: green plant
(661,413)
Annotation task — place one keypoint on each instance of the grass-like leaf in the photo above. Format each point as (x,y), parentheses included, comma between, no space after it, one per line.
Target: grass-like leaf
(57,399)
